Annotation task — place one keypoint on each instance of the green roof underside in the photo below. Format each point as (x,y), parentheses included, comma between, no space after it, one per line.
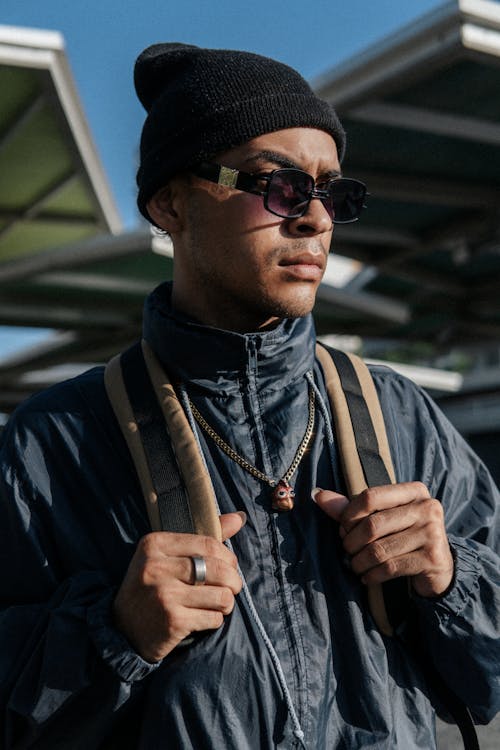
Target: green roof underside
(46,197)
(422,115)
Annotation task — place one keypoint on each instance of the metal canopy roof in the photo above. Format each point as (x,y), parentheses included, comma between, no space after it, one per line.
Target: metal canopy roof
(53,193)
(52,187)
(422,115)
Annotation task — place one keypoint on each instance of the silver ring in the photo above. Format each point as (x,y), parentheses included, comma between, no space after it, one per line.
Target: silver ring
(199,571)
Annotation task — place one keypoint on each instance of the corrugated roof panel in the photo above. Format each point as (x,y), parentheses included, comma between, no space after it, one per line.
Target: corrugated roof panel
(443,90)
(19,87)
(42,235)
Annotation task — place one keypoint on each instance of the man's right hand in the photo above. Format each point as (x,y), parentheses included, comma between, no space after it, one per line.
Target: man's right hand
(157,605)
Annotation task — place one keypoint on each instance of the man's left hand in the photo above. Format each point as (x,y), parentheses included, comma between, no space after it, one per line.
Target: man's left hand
(391,531)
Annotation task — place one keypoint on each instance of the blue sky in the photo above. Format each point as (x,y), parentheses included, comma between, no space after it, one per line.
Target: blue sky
(103,38)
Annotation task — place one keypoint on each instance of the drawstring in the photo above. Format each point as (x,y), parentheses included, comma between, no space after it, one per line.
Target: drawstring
(297,729)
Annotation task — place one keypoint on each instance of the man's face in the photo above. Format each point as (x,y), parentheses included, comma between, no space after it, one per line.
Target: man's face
(237,266)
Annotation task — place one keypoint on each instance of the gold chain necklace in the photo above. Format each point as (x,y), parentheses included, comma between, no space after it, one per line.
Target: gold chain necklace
(283,492)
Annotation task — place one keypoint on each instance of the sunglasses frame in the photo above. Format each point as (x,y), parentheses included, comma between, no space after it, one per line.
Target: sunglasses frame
(248,183)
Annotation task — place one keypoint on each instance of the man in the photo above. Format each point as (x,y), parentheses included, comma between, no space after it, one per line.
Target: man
(106,641)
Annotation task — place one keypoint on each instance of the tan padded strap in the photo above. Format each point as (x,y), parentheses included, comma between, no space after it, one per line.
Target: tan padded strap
(352,469)
(351,465)
(191,465)
(117,394)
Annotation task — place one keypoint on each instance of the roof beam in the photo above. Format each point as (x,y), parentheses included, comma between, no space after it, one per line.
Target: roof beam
(31,212)
(374,305)
(428,190)
(95,249)
(426,41)
(21,118)
(61,349)
(49,218)
(93,282)
(54,316)
(359,233)
(397,265)
(427,121)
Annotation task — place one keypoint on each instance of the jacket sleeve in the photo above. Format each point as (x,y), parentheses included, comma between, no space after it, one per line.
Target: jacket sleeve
(462,627)
(65,672)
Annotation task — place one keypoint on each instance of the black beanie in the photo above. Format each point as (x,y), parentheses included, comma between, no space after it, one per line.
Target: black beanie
(204,101)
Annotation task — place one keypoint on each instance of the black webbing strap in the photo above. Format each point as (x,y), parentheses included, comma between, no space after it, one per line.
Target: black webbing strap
(173,503)
(364,433)
(396,591)
(396,597)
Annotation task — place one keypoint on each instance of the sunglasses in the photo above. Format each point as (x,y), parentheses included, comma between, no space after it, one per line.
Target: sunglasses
(288,192)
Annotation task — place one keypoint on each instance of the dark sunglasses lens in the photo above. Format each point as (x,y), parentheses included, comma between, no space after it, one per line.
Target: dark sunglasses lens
(347,197)
(289,192)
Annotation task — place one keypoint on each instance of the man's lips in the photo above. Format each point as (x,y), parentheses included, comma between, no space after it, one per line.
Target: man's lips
(305,266)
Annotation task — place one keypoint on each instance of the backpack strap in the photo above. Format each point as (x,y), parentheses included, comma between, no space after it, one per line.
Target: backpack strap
(364,450)
(178,491)
(366,461)
(175,482)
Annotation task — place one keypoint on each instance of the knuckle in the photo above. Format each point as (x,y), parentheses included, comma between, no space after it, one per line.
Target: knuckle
(148,543)
(150,573)
(371,497)
(372,524)
(214,620)
(219,619)
(434,543)
(238,585)
(390,568)
(377,552)
(175,623)
(218,569)
(422,489)
(435,510)
(187,570)
(226,599)
(166,601)
(211,546)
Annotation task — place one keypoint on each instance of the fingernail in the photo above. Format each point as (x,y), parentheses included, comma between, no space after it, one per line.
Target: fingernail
(243,516)
(314,492)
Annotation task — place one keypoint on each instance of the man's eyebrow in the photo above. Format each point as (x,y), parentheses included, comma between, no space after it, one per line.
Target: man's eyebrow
(274,157)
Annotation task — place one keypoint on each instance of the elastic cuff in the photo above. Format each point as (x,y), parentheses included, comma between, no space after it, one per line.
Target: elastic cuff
(465,580)
(112,646)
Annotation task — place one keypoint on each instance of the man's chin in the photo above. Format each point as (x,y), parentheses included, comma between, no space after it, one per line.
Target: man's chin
(297,307)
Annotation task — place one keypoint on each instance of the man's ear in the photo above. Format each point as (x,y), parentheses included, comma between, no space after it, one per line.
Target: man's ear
(163,208)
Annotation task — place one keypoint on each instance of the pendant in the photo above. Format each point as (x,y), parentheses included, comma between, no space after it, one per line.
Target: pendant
(282,497)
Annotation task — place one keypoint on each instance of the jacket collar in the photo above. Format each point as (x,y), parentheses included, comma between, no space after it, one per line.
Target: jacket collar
(212,357)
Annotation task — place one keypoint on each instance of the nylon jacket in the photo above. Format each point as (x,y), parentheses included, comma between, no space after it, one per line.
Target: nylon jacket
(72,513)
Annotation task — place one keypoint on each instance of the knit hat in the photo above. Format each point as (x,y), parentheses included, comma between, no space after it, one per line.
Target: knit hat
(204,101)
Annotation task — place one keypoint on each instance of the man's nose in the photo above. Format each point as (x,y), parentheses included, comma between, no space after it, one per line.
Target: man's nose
(316,220)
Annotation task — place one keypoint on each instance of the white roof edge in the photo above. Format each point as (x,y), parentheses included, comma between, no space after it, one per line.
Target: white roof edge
(439,29)
(27,37)
(71,104)
(46,49)
(443,16)
(485,11)
(426,377)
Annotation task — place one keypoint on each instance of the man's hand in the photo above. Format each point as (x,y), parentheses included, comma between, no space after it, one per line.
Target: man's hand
(157,605)
(391,531)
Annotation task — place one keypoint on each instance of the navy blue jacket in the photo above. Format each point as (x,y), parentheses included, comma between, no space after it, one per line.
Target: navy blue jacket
(72,513)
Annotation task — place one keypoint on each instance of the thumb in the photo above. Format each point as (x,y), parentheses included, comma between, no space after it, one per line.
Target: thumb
(332,503)
(231,523)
